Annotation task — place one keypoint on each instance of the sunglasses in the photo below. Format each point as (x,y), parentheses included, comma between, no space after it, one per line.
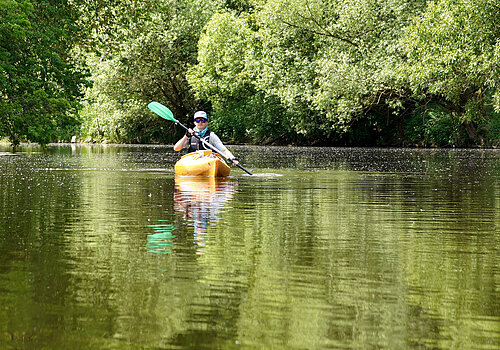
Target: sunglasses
(200,120)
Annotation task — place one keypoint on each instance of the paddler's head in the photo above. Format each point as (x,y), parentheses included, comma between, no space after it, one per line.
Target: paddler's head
(200,120)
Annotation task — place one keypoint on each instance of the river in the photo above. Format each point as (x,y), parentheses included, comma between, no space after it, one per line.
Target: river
(102,247)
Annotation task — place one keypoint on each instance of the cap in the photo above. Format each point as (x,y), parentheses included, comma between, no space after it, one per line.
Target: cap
(200,114)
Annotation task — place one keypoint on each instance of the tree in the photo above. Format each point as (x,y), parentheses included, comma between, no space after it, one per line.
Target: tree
(453,57)
(40,81)
(148,63)
(323,63)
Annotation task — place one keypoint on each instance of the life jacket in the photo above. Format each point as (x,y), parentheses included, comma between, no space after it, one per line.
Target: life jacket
(196,145)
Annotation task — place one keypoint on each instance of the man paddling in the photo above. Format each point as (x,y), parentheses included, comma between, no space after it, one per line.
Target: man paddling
(201,129)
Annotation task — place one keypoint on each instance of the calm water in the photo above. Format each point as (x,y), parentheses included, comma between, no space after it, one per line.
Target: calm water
(101,247)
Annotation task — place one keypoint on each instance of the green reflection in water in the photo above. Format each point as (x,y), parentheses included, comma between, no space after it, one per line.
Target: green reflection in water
(161,241)
(354,249)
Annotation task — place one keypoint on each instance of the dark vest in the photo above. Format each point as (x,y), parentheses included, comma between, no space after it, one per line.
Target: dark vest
(197,145)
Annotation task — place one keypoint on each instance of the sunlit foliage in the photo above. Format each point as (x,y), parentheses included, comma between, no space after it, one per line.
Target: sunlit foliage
(40,82)
(322,62)
(330,72)
(454,55)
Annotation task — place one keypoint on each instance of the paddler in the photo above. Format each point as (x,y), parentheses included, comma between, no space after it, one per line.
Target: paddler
(201,129)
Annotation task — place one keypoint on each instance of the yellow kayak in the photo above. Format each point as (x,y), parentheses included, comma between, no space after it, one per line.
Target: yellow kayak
(205,163)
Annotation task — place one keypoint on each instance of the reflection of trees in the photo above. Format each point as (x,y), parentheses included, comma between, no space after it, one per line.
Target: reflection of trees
(72,237)
(358,260)
(200,199)
(36,205)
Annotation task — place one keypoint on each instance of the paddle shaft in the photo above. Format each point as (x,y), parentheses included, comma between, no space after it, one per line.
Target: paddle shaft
(206,144)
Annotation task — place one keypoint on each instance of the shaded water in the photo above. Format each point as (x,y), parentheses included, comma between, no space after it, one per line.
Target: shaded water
(103,247)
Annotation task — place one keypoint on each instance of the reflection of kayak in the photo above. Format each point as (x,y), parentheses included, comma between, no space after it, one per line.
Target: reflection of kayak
(203,192)
(200,200)
(202,196)
(204,163)
(199,185)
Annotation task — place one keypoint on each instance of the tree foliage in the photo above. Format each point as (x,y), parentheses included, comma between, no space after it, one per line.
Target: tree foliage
(453,56)
(40,82)
(149,63)
(322,62)
(365,72)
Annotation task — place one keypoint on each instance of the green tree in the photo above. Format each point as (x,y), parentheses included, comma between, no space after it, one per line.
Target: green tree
(291,71)
(14,29)
(148,63)
(229,65)
(323,63)
(40,81)
(454,59)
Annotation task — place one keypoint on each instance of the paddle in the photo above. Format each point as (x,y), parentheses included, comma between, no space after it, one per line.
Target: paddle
(167,114)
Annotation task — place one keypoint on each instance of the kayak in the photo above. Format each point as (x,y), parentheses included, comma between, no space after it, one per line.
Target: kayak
(204,163)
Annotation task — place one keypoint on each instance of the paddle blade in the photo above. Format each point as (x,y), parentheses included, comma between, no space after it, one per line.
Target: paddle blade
(162,111)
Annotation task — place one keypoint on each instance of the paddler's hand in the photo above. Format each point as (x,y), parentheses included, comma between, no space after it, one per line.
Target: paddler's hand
(189,133)
(234,161)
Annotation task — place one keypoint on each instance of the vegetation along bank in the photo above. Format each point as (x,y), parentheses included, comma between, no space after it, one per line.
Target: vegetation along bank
(316,72)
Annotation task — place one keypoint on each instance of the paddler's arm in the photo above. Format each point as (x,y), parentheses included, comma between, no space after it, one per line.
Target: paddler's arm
(230,156)
(180,144)
(217,143)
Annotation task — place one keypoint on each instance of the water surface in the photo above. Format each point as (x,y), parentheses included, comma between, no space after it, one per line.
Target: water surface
(103,247)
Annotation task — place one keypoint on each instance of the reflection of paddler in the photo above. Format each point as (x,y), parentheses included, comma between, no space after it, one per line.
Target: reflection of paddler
(200,198)
(203,192)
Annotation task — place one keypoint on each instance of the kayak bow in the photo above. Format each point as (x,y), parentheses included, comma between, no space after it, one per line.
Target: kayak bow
(205,163)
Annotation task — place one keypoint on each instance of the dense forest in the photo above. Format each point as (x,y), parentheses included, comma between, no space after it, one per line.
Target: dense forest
(304,72)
